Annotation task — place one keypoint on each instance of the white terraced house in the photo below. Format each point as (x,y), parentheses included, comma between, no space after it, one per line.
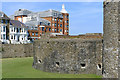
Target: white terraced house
(4,28)
(18,32)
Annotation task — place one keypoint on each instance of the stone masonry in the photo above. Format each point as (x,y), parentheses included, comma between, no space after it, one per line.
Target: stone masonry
(111,39)
(17,50)
(73,56)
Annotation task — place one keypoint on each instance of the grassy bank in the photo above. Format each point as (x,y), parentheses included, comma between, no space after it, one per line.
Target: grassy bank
(22,68)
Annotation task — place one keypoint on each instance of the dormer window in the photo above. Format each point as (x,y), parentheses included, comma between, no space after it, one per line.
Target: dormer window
(55,14)
(40,23)
(2,15)
(19,9)
(48,24)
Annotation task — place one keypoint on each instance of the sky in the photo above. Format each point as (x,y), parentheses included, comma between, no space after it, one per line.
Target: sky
(85,17)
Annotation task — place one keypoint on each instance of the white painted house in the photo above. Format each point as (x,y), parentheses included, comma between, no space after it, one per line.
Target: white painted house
(18,32)
(4,25)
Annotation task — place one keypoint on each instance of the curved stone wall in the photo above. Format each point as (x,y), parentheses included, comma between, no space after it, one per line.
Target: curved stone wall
(73,56)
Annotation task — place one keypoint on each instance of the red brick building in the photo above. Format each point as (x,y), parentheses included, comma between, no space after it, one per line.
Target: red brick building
(39,23)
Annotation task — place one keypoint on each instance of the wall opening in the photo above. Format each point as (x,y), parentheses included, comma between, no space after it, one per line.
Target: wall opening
(83,65)
(39,61)
(99,66)
(57,64)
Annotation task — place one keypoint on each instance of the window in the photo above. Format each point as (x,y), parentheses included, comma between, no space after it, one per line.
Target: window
(11,29)
(11,36)
(6,21)
(14,29)
(67,31)
(60,20)
(46,29)
(3,28)
(48,24)
(55,19)
(3,36)
(14,37)
(55,14)
(20,30)
(52,24)
(67,21)
(55,24)
(52,29)
(42,28)
(2,21)
(17,30)
(40,34)
(49,29)
(60,30)
(36,33)
(67,26)
(60,25)
(67,16)
(55,30)
(33,33)
(40,23)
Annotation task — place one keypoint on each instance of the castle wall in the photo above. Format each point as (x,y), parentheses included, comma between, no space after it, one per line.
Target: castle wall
(73,56)
(17,50)
(111,37)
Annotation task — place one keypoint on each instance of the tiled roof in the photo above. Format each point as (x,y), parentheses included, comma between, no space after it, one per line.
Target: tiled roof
(3,15)
(50,13)
(36,22)
(17,24)
(22,12)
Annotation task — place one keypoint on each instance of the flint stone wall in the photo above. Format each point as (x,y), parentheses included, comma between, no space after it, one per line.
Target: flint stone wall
(111,39)
(17,50)
(72,56)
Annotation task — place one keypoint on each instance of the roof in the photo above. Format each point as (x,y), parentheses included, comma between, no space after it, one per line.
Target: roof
(3,15)
(36,22)
(50,13)
(17,24)
(22,12)
(11,17)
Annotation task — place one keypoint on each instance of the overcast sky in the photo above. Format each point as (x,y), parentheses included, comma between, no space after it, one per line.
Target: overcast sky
(85,17)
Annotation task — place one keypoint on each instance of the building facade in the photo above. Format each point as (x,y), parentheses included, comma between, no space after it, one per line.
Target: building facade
(18,32)
(4,28)
(50,21)
(12,31)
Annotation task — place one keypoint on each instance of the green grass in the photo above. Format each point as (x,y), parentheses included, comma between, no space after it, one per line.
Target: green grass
(22,68)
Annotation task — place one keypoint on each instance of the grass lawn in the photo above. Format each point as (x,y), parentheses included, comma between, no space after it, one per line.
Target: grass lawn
(22,68)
